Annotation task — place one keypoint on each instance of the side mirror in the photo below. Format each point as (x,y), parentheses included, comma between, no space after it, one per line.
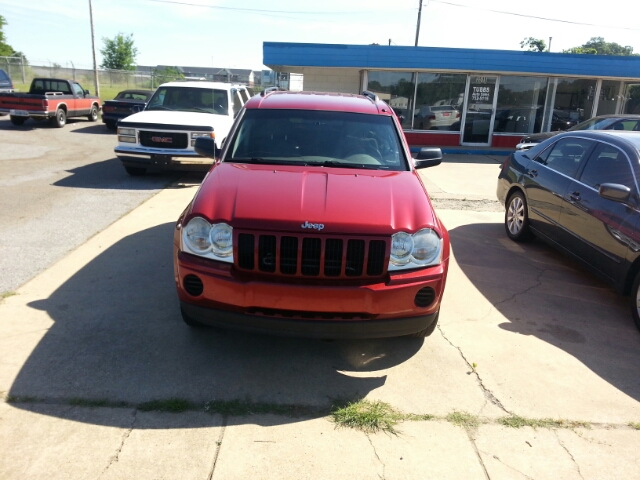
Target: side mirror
(87,92)
(205,147)
(428,157)
(615,192)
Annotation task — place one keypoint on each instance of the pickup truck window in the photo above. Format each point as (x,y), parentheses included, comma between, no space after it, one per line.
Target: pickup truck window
(77,90)
(323,138)
(44,86)
(187,99)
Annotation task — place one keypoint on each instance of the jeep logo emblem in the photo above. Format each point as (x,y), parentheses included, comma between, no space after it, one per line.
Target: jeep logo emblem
(316,226)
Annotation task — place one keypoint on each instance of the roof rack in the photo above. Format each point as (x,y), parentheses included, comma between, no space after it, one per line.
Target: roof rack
(370,95)
(266,91)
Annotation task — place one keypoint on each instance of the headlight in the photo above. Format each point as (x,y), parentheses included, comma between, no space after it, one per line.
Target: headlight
(195,135)
(221,240)
(126,139)
(126,131)
(212,241)
(421,249)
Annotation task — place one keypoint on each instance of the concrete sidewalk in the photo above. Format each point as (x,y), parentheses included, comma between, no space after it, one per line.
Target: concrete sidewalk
(524,334)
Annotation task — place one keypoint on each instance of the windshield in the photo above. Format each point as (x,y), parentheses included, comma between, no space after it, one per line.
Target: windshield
(188,99)
(595,124)
(329,139)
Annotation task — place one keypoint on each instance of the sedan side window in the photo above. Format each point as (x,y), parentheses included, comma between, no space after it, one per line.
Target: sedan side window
(566,155)
(607,165)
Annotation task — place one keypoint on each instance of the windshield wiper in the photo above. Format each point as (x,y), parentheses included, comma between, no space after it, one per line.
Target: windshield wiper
(266,161)
(334,164)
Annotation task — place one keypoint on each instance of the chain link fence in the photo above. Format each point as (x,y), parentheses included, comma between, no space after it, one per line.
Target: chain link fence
(111,81)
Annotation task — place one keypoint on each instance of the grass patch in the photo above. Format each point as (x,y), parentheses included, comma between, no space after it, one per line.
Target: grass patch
(83,402)
(463,419)
(635,425)
(515,421)
(242,408)
(7,294)
(367,416)
(173,405)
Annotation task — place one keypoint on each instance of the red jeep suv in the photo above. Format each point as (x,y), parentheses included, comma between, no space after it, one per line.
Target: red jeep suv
(313,222)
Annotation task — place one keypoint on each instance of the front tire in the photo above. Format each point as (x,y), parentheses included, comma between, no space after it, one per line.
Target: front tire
(93,114)
(135,171)
(60,120)
(635,301)
(17,121)
(516,218)
(429,330)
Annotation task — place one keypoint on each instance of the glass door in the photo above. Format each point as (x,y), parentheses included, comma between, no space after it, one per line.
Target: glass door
(480,109)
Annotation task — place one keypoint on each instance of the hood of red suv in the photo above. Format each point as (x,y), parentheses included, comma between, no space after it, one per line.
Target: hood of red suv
(313,199)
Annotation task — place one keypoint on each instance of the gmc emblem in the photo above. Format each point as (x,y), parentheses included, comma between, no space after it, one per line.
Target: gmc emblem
(162,139)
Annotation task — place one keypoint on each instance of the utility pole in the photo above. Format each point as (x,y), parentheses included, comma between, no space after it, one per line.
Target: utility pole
(549,49)
(418,26)
(93,46)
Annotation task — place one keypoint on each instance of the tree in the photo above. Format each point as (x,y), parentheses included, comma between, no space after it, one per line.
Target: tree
(598,46)
(119,53)
(534,44)
(6,50)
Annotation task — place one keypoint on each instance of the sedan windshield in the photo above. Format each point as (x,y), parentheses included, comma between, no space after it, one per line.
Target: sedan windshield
(190,99)
(327,139)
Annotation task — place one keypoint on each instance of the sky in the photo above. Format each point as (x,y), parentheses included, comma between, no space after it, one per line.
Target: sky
(230,33)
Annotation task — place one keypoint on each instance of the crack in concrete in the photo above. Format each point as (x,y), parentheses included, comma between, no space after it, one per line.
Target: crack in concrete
(375,452)
(115,458)
(486,392)
(225,422)
(478,456)
(526,290)
(495,457)
(569,453)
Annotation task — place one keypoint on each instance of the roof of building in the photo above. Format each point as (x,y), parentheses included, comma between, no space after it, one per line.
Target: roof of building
(277,54)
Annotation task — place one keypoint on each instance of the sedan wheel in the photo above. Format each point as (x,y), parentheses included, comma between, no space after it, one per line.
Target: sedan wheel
(516,220)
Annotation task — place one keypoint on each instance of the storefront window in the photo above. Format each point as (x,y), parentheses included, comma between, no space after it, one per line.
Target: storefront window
(439,101)
(632,99)
(573,102)
(520,106)
(609,97)
(397,89)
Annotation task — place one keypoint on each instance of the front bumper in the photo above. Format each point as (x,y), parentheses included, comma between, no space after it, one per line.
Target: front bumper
(166,159)
(384,309)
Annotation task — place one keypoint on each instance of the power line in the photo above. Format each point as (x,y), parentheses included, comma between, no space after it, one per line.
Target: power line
(534,16)
(260,11)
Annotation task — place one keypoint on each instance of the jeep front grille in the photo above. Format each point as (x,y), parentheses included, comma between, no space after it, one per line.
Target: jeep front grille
(164,139)
(315,256)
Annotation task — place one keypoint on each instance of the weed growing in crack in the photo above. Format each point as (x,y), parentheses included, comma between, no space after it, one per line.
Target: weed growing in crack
(18,399)
(6,294)
(515,421)
(82,402)
(173,405)
(463,419)
(635,425)
(370,417)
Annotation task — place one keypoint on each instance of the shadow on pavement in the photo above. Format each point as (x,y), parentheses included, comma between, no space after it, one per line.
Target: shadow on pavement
(544,294)
(118,335)
(110,175)
(95,128)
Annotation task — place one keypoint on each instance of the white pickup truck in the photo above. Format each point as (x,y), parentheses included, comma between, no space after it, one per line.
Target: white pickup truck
(162,135)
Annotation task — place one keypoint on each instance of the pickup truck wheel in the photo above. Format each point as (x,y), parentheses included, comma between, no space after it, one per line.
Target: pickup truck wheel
(429,330)
(17,120)
(93,115)
(135,171)
(60,120)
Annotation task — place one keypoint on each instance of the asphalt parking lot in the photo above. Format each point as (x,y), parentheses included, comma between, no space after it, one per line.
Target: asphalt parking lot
(93,336)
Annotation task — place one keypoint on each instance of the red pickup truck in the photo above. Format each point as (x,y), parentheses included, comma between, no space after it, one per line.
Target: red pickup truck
(50,98)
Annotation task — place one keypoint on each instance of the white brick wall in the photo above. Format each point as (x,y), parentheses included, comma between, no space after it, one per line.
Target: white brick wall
(341,80)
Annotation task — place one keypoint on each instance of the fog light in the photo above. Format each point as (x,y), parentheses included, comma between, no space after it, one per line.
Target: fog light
(193,285)
(425,297)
